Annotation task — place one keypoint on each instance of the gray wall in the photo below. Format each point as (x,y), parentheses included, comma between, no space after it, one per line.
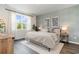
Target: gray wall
(68,16)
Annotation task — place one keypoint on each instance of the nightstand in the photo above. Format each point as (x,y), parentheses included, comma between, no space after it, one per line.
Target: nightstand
(64,37)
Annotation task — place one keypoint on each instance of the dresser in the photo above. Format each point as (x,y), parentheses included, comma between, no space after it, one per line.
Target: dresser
(6,44)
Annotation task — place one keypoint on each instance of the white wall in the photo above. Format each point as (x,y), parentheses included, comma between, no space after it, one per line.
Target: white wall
(68,16)
(4,14)
(33,20)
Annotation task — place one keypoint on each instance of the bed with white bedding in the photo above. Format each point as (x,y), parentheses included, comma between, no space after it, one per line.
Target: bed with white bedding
(48,40)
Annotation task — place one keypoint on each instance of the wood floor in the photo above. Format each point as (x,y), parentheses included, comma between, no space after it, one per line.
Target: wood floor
(70,49)
(67,49)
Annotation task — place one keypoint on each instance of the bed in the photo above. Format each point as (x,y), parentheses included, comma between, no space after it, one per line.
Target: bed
(45,39)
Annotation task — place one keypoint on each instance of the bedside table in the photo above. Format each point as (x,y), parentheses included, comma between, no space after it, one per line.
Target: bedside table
(64,37)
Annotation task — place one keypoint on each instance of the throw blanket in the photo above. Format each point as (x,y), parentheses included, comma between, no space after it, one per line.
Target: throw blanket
(47,39)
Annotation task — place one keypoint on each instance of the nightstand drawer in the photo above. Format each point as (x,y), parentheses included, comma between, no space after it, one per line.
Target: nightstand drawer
(64,37)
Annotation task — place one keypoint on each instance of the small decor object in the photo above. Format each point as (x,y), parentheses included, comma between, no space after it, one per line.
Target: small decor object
(33,27)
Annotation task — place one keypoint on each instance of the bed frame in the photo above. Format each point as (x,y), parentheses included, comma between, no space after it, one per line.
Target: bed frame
(40,44)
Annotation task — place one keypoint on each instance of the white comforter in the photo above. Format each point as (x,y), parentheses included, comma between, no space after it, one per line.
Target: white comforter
(47,39)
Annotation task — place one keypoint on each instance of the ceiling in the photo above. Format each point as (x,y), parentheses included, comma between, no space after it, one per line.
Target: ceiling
(38,9)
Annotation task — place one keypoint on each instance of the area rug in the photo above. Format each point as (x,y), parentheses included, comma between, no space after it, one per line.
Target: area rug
(41,50)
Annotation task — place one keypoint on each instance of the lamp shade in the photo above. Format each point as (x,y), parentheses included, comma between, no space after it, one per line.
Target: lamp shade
(64,28)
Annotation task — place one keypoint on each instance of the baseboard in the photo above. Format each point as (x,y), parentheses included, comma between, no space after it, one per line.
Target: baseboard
(74,42)
(19,39)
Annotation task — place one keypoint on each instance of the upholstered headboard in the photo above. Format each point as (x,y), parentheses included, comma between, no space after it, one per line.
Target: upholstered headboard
(55,30)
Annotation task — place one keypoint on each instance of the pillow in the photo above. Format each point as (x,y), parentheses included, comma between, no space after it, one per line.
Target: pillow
(55,30)
(43,30)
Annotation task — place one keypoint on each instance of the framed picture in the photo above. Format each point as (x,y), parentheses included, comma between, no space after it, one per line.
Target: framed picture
(55,21)
(47,23)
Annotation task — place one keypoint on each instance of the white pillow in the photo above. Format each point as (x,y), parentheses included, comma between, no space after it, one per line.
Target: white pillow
(43,30)
(57,31)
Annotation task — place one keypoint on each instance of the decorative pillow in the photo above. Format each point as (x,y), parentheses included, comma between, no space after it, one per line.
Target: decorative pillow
(55,30)
(43,30)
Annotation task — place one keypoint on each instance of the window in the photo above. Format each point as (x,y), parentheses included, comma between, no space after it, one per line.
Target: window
(21,22)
